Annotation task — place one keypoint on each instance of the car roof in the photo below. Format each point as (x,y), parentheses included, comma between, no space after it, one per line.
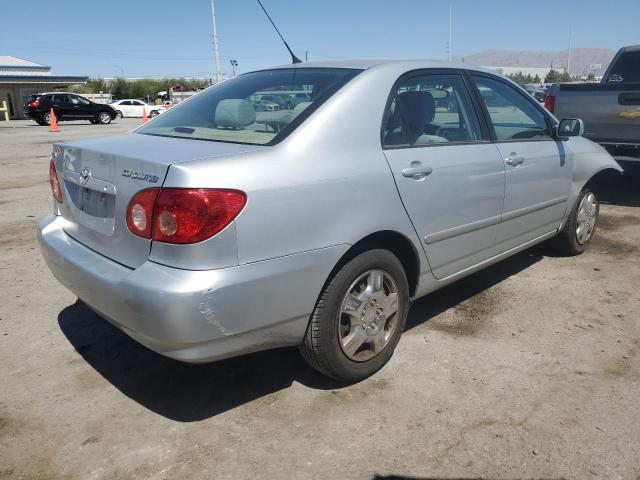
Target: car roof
(364,64)
(59,93)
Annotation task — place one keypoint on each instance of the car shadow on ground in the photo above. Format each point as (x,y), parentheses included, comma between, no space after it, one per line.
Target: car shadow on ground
(186,393)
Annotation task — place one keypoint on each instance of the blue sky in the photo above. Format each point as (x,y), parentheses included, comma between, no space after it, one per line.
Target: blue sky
(171,38)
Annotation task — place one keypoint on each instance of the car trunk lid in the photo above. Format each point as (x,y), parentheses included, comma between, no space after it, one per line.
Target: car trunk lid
(99,177)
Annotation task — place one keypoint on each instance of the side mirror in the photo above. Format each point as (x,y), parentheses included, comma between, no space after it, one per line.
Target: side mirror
(570,127)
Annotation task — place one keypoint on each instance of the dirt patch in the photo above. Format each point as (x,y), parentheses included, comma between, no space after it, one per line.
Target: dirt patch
(470,316)
(18,234)
(611,223)
(612,246)
(624,365)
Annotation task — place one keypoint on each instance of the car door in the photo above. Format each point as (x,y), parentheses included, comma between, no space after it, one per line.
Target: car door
(538,170)
(81,107)
(448,173)
(137,107)
(125,107)
(62,107)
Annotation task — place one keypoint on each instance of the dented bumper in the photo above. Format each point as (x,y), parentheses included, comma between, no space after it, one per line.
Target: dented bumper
(194,316)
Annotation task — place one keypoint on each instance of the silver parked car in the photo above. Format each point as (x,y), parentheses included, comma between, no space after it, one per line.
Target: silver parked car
(204,234)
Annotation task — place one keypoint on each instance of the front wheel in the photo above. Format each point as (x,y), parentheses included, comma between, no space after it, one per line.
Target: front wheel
(359,317)
(104,118)
(154,113)
(119,114)
(580,227)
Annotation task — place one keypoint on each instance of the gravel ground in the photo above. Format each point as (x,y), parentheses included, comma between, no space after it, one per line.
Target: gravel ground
(529,369)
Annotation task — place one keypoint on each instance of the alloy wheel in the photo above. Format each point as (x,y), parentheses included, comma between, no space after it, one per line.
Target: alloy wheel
(368,315)
(586,218)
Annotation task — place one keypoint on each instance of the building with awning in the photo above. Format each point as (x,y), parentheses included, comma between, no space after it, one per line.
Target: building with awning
(19,79)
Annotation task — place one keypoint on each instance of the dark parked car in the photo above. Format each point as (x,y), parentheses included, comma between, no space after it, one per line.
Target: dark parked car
(67,106)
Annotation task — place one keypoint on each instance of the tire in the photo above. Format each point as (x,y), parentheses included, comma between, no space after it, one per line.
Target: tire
(119,114)
(104,118)
(46,118)
(586,211)
(153,114)
(331,332)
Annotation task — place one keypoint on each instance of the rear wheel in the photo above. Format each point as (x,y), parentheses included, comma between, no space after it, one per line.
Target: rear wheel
(154,113)
(46,118)
(359,317)
(104,118)
(581,225)
(118,114)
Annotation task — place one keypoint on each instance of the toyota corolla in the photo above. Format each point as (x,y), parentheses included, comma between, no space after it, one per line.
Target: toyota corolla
(217,230)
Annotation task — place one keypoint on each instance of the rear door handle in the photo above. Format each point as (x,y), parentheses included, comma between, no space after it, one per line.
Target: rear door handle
(416,171)
(514,160)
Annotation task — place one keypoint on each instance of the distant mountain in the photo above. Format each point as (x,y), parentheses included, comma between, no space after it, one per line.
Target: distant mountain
(581,58)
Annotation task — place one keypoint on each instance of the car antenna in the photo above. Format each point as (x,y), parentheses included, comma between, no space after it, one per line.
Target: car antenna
(294,59)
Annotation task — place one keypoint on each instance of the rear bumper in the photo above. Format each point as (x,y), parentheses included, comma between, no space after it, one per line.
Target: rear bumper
(194,316)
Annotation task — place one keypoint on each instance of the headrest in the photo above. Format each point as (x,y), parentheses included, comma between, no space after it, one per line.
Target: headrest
(417,109)
(234,112)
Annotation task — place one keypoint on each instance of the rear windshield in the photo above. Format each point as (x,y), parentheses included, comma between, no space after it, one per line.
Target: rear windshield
(256,108)
(628,67)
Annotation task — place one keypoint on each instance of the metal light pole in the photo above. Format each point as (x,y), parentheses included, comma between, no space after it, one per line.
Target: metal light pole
(215,40)
(450,18)
(569,55)
(234,64)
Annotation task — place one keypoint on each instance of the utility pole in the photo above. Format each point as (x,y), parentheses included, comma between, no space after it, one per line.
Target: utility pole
(569,55)
(449,46)
(216,51)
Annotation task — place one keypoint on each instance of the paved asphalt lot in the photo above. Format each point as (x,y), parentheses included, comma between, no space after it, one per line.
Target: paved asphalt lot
(529,369)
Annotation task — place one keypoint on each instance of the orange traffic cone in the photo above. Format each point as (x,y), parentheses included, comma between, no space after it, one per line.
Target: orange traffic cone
(145,119)
(53,124)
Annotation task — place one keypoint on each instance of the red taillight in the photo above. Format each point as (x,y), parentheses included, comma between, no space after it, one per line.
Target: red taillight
(55,183)
(190,215)
(140,212)
(183,215)
(34,104)
(550,103)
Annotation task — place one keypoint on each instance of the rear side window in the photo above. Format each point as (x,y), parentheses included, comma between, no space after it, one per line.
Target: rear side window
(430,109)
(513,115)
(627,67)
(246,109)
(60,98)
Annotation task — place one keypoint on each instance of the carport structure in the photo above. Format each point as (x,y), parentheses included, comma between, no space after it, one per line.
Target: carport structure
(19,79)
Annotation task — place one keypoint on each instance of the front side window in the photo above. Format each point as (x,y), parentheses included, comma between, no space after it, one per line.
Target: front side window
(247,108)
(78,100)
(514,116)
(430,109)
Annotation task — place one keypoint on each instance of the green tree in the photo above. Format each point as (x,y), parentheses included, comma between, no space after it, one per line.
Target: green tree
(552,77)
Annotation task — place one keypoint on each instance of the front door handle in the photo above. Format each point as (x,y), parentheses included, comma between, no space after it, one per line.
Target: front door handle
(514,160)
(416,171)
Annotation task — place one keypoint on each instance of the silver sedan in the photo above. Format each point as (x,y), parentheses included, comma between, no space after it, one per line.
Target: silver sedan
(206,233)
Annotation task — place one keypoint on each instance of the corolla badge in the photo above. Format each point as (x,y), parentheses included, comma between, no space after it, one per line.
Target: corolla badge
(137,175)
(85,175)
